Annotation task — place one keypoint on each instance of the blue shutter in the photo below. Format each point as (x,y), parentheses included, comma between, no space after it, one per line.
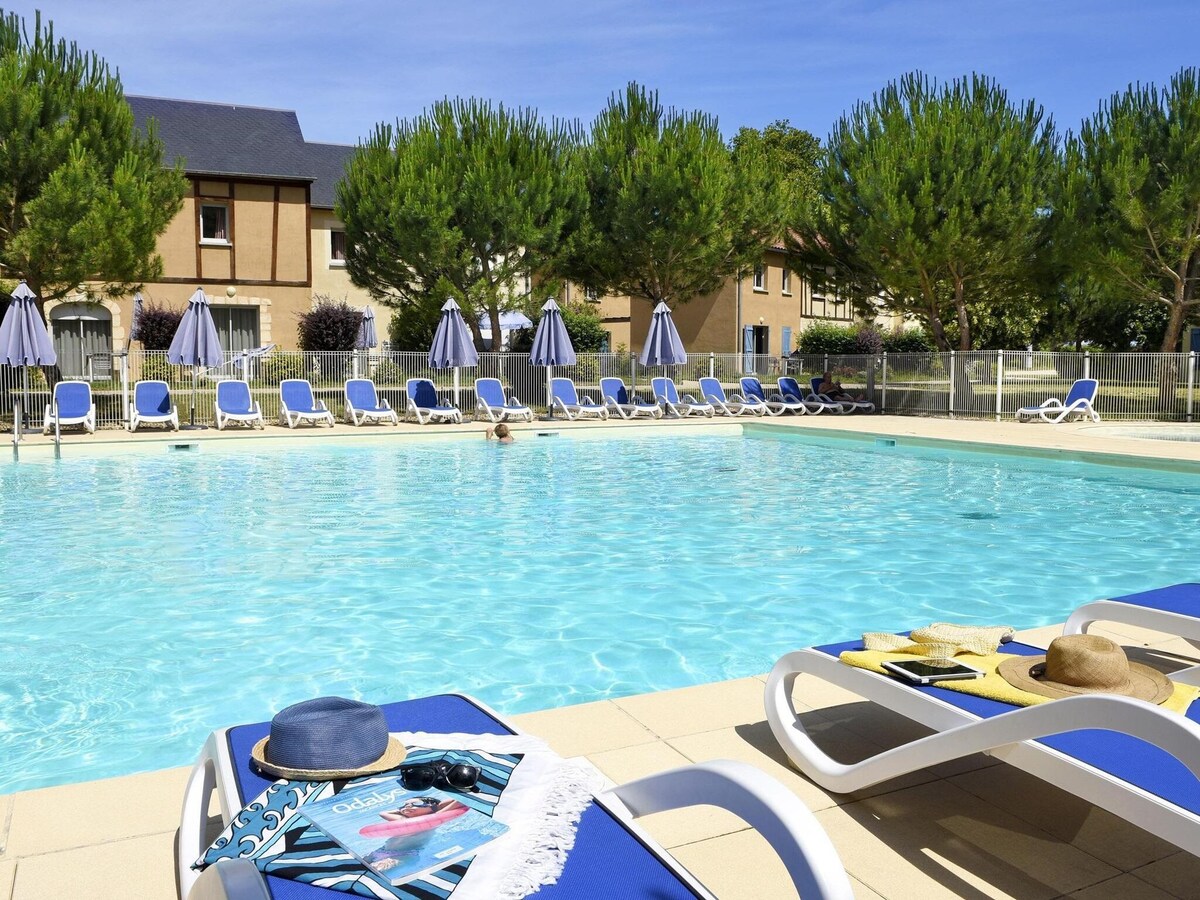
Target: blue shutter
(748,348)
(787,341)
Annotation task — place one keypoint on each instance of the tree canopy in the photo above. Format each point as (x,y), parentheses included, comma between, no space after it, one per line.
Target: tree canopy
(793,156)
(1133,190)
(467,196)
(671,213)
(83,194)
(935,199)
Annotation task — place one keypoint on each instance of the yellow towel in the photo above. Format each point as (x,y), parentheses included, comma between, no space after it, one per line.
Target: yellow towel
(993,686)
(941,640)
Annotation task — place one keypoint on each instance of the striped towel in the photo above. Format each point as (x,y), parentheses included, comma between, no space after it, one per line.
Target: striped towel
(522,783)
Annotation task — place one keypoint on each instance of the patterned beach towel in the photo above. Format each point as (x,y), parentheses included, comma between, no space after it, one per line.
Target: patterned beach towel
(522,783)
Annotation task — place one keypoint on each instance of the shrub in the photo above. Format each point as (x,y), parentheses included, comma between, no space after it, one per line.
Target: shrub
(414,322)
(156,327)
(584,327)
(156,368)
(825,338)
(279,366)
(868,340)
(388,372)
(331,325)
(907,340)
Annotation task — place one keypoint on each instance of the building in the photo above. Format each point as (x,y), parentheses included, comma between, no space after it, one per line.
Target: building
(257,232)
(762,312)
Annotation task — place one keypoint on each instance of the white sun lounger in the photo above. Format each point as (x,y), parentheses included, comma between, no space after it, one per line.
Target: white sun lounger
(776,404)
(151,405)
(1078,403)
(670,399)
(733,404)
(363,403)
(610,845)
(491,401)
(72,404)
(1132,758)
(297,404)
(572,404)
(235,405)
(617,399)
(424,403)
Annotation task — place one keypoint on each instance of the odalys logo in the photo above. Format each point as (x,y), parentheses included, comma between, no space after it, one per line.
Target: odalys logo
(370,800)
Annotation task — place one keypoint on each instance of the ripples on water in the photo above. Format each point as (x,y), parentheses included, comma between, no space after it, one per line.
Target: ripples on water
(147,599)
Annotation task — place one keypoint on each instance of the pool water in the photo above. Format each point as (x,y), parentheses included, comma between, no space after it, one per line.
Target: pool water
(148,598)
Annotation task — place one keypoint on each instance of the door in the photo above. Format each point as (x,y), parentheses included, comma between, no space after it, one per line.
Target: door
(83,344)
(237,327)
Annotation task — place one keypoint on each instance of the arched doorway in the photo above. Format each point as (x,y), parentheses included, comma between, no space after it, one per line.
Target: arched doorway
(83,340)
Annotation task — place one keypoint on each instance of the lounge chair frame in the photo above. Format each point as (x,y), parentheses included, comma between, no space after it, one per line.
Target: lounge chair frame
(137,418)
(426,414)
(87,420)
(847,406)
(1010,737)
(582,406)
(512,408)
(1054,410)
(253,416)
(778,815)
(776,403)
(732,404)
(382,411)
(315,415)
(678,405)
(633,407)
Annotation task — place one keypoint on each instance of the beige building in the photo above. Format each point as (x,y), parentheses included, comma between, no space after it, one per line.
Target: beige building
(762,312)
(257,232)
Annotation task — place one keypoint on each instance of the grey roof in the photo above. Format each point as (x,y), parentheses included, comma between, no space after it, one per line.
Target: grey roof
(223,139)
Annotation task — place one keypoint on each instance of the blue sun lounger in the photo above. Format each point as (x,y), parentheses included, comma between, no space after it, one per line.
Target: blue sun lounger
(668,396)
(152,404)
(789,390)
(490,400)
(363,403)
(847,405)
(612,856)
(71,405)
(1078,403)
(297,404)
(776,404)
(573,405)
(424,403)
(732,405)
(617,399)
(235,405)
(1138,761)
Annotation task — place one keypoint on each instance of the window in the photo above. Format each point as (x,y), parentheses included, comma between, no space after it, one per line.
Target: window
(214,223)
(237,327)
(83,340)
(760,278)
(785,280)
(337,248)
(591,295)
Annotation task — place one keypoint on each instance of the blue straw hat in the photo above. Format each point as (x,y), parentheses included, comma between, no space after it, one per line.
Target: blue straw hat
(328,739)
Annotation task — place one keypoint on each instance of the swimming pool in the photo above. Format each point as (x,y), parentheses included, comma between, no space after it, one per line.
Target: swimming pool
(150,597)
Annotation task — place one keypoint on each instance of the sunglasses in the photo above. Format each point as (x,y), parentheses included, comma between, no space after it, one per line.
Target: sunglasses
(442,774)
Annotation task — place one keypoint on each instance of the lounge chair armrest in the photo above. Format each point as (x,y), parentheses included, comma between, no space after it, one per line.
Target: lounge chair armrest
(230,879)
(776,813)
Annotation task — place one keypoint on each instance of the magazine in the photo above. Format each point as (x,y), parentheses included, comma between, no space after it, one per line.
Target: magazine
(403,834)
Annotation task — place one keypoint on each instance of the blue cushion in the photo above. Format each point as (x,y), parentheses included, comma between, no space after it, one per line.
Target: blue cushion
(1178,598)
(1127,758)
(607,861)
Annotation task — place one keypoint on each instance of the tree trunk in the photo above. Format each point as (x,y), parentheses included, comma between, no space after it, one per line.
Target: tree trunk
(1174,332)
(494,320)
(938,330)
(964,321)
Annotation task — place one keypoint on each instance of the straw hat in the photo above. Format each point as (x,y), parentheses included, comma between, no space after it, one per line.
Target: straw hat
(1085,664)
(328,739)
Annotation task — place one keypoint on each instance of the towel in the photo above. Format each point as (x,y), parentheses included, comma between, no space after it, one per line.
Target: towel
(524,784)
(994,686)
(942,640)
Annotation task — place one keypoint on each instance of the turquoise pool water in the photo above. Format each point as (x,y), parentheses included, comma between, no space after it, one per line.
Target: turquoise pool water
(148,598)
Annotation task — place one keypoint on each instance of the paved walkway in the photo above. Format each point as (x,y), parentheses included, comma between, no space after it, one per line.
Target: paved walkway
(975,829)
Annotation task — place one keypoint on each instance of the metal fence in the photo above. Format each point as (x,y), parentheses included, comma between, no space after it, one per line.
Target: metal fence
(981,384)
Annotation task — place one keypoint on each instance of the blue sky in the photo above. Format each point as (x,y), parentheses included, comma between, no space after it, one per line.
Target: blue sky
(343,66)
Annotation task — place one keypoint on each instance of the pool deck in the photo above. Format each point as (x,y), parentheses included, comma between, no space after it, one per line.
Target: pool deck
(976,828)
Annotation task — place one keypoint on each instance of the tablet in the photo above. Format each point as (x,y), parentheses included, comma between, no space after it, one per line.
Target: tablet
(926,671)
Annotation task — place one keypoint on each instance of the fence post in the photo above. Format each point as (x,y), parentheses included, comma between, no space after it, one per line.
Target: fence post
(124,357)
(883,389)
(1191,383)
(825,367)
(712,365)
(951,398)
(245,367)
(999,383)
(1087,363)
